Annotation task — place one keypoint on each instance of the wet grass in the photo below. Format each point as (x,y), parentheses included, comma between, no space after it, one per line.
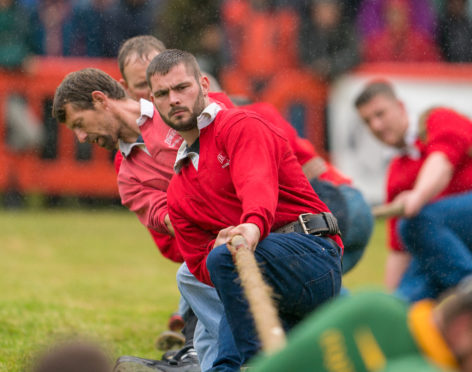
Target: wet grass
(65,273)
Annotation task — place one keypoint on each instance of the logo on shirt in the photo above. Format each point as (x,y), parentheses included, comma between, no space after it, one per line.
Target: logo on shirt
(223,160)
(173,138)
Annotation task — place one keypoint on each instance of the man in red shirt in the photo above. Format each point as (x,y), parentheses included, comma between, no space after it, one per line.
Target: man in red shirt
(96,108)
(236,174)
(399,40)
(346,202)
(431,178)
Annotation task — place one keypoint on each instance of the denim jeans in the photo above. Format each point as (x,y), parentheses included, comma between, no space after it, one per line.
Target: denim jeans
(303,270)
(439,239)
(354,218)
(209,310)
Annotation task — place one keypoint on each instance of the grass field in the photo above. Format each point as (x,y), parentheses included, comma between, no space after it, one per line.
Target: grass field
(97,274)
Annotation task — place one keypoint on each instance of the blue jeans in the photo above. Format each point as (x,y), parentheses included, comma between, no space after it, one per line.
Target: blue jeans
(360,226)
(354,217)
(209,310)
(303,270)
(440,242)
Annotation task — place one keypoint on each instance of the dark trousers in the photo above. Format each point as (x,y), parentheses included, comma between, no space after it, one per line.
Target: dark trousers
(303,270)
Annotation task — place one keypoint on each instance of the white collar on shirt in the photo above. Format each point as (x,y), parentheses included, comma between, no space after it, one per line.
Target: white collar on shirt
(410,137)
(147,111)
(126,148)
(208,115)
(203,120)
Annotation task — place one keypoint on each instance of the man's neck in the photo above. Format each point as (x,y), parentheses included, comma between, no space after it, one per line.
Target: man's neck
(127,112)
(405,140)
(190,136)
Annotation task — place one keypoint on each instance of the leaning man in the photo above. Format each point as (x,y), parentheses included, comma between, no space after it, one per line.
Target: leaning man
(237,175)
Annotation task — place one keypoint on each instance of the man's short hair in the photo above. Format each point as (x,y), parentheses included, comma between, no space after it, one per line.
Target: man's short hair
(141,46)
(165,61)
(373,89)
(77,88)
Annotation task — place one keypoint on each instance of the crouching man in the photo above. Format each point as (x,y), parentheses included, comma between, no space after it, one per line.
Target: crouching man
(237,175)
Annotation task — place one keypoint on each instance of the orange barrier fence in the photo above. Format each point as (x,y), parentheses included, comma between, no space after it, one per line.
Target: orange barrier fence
(301,98)
(63,167)
(56,169)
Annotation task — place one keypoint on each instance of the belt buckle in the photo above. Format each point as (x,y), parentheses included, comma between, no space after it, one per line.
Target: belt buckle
(302,222)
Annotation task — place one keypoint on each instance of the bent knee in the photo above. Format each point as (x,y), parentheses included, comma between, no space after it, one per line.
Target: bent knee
(184,275)
(418,227)
(218,258)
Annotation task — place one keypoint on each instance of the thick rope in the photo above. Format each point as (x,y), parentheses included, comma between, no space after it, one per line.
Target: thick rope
(387,210)
(258,295)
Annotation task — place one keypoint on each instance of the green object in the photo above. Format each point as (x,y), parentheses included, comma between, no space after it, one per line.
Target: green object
(363,332)
(14,36)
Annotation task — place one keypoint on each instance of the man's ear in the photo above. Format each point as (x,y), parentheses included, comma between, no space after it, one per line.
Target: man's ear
(99,98)
(205,83)
(402,105)
(124,84)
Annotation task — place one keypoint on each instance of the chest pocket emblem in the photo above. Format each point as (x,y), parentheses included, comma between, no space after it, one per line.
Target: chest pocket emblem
(172,138)
(223,160)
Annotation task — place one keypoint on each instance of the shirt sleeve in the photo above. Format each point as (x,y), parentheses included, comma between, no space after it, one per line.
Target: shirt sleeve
(167,245)
(449,133)
(195,253)
(394,241)
(255,151)
(147,201)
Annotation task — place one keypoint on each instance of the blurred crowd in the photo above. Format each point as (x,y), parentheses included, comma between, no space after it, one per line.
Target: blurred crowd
(244,42)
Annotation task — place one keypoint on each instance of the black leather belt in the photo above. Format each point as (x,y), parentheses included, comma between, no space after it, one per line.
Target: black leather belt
(320,224)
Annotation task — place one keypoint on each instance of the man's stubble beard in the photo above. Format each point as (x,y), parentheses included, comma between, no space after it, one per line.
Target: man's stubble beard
(109,143)
(191,123)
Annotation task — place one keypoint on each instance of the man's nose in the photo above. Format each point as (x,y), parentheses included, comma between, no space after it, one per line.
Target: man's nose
(81,135)
(375,124)
(174,98)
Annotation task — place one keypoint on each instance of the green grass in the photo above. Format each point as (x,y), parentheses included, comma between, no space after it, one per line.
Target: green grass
(370,270)
(95,274)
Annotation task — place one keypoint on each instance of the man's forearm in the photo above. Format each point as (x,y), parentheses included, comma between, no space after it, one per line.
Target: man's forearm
(434,176)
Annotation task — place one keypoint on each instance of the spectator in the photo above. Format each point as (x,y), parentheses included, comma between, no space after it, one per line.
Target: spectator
(23,129)
(399,40)
(201,35)
(261,39)
(51,27)
(351,9)
(130,18)
(327,45)
(455,32)
(15,45)
(91,22)
(370,18)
